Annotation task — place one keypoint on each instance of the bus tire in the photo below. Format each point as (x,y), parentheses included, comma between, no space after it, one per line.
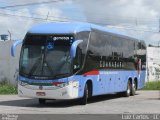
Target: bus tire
(128,91)
(133,88)
(42,101)
(83,100)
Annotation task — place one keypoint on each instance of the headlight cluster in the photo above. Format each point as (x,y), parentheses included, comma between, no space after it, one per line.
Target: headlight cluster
(60,84)
(74,83)
(22,83)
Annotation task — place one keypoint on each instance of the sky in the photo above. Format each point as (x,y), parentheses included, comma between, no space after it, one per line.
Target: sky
(136,18)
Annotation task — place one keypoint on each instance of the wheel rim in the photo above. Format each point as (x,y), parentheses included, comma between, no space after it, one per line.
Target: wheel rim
(134,87)
(87,93)
(128,90)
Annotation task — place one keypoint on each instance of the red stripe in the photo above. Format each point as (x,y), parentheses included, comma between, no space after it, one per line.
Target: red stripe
(57,83)
(94,72)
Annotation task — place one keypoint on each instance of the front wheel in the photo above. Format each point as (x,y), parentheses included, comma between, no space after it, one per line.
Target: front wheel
(83,100)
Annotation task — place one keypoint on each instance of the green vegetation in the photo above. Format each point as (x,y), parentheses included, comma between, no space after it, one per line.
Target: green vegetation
(152,86)
(6,88)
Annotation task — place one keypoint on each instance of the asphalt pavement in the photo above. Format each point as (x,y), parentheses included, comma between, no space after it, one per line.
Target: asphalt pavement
(142,102)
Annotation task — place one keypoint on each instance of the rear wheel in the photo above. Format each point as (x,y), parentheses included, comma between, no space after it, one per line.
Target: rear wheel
(83,100)
(127,93)
(42,101)
(133,89)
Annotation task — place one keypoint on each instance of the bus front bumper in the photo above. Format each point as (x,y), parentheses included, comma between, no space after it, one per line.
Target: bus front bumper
(67,92)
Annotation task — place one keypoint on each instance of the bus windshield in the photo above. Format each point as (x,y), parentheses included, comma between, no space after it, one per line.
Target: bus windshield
(46,56)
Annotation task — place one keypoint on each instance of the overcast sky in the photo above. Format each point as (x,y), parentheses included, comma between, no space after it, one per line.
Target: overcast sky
(137,18)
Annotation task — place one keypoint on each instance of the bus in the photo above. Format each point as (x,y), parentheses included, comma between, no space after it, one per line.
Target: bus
(77,61)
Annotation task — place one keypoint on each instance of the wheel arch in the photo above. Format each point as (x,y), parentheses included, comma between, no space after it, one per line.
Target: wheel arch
(136,82)
(90,86)
(130,79)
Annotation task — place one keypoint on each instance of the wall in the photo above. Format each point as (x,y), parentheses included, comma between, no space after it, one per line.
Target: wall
(8,64)
(153,63)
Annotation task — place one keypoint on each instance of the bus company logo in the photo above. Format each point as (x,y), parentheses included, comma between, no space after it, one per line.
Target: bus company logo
(40,88)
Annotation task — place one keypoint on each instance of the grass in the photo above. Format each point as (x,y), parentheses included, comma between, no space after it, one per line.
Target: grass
(152,86)
(6,88)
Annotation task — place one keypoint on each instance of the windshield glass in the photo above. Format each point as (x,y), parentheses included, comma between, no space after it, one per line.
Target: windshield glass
(46,56)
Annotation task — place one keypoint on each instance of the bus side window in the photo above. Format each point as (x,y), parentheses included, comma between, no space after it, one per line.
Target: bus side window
(77,61)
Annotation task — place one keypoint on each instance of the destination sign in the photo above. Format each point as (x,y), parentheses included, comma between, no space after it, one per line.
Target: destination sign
(51,40)
(62,38)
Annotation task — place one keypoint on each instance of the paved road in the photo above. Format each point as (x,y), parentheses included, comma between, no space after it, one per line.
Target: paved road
(143,102)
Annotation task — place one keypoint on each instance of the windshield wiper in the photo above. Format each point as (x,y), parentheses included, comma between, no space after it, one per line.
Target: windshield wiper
(62,75)
(49,67)
(34,66)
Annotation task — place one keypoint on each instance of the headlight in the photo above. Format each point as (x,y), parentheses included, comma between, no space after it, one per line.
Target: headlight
(22,83)
(60,84)
(74,83)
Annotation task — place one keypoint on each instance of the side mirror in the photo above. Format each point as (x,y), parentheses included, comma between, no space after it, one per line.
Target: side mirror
(13,47)
(74,48)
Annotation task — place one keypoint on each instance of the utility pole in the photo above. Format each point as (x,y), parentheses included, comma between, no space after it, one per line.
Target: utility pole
(9,34)
(159,43)
(136,23)
(47,16)
(159,25)
(158,47)
(159,32)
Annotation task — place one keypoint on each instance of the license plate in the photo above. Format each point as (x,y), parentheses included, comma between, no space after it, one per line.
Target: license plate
(40,93)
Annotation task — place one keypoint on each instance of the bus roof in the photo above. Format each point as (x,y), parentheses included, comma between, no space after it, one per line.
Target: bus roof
(67,27)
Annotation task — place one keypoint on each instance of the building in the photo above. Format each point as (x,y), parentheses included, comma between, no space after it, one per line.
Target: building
(153,63)
(8,64)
